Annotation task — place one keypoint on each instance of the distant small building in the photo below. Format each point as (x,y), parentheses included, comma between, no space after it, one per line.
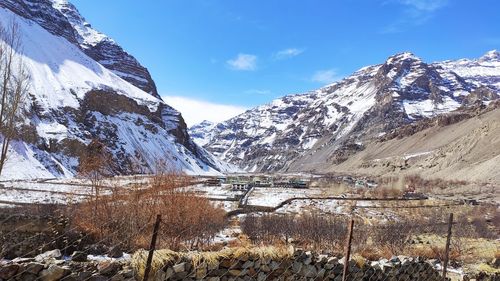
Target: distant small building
(299,184)
(292,184)
(213,182)
(237,186)
(261,182)
(281,184)
(414,196)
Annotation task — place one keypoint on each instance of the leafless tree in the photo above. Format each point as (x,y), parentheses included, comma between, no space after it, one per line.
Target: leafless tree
(95,165)
(14,84)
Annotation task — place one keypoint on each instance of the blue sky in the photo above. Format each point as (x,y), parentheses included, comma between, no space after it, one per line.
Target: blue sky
(214,58)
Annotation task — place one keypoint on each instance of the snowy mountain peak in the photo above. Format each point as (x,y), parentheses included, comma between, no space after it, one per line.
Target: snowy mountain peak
(205,123)
(401,57)
(61,18)
(492,55)
(87,35)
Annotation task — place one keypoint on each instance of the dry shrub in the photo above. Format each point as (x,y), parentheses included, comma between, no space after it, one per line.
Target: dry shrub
(125,217)
(374,253)
(382,192)
(392,237)
(314,230)
(415,182)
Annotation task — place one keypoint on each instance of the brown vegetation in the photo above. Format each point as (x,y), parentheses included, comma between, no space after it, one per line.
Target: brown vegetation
(125,217)
(422,233)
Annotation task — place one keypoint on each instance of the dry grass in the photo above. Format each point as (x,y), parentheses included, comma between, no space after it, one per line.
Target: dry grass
(162,258)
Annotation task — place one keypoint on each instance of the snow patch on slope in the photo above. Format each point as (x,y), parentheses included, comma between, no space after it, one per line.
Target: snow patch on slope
(57,68)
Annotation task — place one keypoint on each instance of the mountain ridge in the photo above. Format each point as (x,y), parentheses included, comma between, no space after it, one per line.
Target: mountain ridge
(74,99)
(335,121)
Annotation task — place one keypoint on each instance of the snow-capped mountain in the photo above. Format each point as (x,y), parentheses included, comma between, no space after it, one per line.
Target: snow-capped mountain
(61,18)
(327,125)
(202,133)
(84,86)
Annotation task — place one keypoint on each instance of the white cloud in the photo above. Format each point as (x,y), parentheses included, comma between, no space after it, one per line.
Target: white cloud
(288,53)
(325,76)
(245,62)
(195,111)
(417,12)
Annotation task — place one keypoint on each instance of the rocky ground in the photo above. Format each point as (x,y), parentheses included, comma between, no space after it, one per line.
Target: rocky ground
(466,150)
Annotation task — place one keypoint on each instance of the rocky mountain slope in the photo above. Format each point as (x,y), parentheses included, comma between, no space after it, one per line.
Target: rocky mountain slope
(318,129)
(464,145)
(85,87)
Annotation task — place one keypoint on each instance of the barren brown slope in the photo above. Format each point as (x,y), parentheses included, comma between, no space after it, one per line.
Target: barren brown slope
(468,150)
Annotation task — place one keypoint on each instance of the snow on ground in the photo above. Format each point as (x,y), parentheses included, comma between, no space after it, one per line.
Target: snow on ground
(35,196)
(314,205)
(63,191)
(99,258)
(27,162)
(273,196)
(227,235)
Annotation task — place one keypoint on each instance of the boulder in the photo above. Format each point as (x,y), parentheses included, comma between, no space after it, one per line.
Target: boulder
(181,267)
(54,254)
(26,276)
(54,273)
(495,263)
(8,271)
(34,267)
(115,252)
(78,256)
(108,268)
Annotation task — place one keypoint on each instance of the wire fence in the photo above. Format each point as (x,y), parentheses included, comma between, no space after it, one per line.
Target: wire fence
(279,247)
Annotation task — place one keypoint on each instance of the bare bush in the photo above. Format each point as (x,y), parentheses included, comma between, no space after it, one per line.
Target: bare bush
(311,230)
(415,182)
(394,236)
(125,217)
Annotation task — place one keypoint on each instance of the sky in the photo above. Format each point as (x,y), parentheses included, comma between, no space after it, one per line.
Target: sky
(212,59)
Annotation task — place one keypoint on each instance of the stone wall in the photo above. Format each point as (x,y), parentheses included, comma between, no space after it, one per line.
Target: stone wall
(300,265)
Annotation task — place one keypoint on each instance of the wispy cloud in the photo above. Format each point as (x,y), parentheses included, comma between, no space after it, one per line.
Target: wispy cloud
(258,92)
(243,62)
(195,111)
(325,76)
(287,53)
(425,5)
(415,12)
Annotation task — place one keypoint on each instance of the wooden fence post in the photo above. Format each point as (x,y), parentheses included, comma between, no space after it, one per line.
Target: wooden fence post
(347,254)
(152,248)
(447,249)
